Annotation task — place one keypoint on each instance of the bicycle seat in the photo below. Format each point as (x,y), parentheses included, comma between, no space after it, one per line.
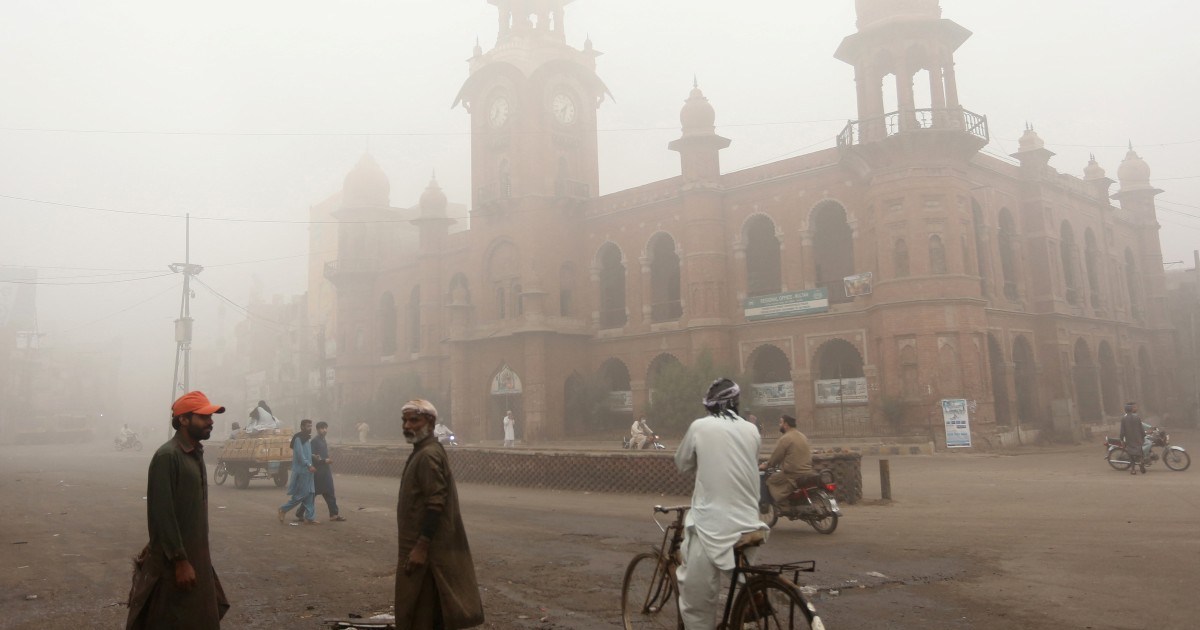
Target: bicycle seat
(750,539)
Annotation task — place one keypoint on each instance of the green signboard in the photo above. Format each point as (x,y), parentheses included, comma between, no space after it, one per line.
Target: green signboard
(787,304)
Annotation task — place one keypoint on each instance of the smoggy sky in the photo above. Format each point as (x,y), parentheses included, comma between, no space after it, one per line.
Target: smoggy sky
(256,110)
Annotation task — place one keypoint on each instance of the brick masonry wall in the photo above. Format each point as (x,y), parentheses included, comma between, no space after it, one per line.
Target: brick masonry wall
(642,473)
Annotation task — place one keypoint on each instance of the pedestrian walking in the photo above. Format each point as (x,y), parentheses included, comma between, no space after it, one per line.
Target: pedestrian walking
(510,429)
(300,485)
(174,583)
(363,428)
(435,576)
(323,477)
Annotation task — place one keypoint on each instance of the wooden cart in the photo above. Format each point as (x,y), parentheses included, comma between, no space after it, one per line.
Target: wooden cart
(255,456)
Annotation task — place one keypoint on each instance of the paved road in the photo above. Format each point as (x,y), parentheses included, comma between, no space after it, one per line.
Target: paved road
(1046,539)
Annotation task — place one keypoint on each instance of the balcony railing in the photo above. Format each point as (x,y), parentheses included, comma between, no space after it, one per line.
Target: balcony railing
(876,129)
(572,189)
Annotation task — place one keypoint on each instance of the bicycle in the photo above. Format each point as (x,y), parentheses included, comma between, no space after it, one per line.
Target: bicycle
(759,596)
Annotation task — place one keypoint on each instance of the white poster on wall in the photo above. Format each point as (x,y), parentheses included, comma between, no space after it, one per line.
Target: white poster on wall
(958,423)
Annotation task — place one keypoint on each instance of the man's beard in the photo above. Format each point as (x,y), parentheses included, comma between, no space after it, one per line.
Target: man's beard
(412,437)
(197,432)
(782,430)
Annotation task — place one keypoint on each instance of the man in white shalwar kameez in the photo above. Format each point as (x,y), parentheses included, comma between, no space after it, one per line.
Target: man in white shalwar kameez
(722,449)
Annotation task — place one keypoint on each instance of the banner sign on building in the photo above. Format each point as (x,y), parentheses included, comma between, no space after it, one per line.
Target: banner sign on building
(958,423)
(775,394)
(620,400)
(506,382)
(787,304)
(858,284)
(842,391)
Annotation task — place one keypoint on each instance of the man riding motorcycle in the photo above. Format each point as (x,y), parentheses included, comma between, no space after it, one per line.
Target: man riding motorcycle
(793,457)
(1133,434)
(639,434)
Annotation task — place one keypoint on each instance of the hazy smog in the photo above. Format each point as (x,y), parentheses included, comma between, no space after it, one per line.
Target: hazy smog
(287,150)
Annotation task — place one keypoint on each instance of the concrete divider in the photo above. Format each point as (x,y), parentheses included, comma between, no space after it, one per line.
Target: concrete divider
(620,472)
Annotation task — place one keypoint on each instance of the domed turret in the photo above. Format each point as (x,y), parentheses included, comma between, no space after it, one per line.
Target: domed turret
(433,200)
(1093,170)
(1134,173)
(697,116)
(1030,140)
(873,11)
(366,184)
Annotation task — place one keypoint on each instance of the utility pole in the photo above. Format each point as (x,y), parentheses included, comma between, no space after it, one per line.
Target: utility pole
(183,325)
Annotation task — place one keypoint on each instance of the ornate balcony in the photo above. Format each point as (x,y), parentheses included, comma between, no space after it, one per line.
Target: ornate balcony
(860,132)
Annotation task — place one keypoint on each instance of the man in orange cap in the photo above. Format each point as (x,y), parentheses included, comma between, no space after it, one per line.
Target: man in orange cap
(174,583)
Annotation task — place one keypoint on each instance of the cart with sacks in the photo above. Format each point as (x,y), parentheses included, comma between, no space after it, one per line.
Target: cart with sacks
(262,455)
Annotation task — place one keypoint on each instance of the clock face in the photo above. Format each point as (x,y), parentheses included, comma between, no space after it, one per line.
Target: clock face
(499,112)
(563,108)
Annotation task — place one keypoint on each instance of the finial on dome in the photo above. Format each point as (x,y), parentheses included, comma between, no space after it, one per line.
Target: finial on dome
(695,82)
(1093,171)
(1134,173)
(478,51)
(433,200)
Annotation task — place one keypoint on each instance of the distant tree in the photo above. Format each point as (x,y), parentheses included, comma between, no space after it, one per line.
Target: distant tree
(587,405)
(679,390)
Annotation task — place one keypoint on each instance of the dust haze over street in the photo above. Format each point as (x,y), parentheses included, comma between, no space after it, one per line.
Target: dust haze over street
(1050,538)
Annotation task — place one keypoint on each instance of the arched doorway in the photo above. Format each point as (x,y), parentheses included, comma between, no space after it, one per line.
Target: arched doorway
(833,248)
(505,393)
(841,391)
(1025,378)
(999,381)
(1086,388)
(619,403)
(771,378)
(764,266)
(1109,388)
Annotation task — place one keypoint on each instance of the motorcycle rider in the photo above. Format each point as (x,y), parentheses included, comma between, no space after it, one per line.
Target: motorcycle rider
(442,432)
(639,433)
(1133,434)
(127,436)
(793,457)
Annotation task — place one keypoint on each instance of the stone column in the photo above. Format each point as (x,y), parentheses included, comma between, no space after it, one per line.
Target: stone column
(533,395)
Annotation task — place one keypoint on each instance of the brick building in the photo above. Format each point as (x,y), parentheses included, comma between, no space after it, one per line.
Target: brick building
(857,285)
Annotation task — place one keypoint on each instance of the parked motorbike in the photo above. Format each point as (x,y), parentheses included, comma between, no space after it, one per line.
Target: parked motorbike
(652,442)
(812,503)
(129,443)
(1174,457)
(448,439)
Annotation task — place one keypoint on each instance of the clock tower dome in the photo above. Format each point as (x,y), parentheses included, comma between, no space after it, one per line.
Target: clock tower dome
(532,100)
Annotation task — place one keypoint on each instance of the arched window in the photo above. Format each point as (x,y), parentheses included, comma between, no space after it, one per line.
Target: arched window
(414,320)
(665,305)
(1066,245)
(615,375)
(981,266)
(1092,263)
(566,290)
(387,325)
(518,299)
(909,385)
(999,381)
(1008,253)
(937,255)
(900,258)
(833,248)
(1109,387)
(1025,376)
(764,274)
(1135,307)
(612,287)
(460,292)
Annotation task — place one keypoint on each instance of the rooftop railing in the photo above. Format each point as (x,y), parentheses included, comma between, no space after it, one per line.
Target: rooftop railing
(917,120)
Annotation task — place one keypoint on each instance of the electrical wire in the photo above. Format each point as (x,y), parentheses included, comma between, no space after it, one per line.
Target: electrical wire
(114,314)
(279,326)
(66,284)
(180,216)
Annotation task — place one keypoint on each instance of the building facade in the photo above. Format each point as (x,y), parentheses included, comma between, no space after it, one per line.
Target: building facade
(857,286)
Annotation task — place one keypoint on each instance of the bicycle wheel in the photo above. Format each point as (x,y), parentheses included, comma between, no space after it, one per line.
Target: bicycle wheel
(1119,459)
(1176,459)
(649,594)
(770,602)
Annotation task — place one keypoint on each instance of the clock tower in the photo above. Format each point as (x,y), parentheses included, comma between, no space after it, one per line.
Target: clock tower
(532,101)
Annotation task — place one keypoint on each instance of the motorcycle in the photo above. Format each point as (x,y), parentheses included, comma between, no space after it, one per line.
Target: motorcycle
(1174,457)
(128,443)
(813,502)
(651,442)
(448,439)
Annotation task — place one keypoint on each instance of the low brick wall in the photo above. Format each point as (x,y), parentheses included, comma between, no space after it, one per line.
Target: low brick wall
(632,473)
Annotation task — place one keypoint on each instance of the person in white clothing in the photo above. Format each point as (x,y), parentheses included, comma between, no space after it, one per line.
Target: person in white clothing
(639,433)
(722,449)
(510,429)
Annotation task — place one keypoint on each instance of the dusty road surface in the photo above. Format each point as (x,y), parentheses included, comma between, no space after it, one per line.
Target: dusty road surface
(1047,539)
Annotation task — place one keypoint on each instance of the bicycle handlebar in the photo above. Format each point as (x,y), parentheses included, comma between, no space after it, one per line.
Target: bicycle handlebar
(658,509)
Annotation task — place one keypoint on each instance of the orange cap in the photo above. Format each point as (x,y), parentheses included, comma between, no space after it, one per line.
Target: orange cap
(195,402)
